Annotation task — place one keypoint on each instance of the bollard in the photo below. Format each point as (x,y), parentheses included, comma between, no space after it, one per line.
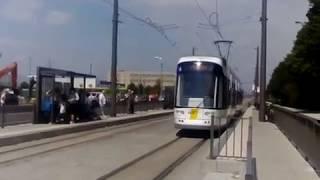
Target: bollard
(3,116)
(212,138)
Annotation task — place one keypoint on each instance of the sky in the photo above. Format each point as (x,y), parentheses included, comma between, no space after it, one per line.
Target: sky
(72,34)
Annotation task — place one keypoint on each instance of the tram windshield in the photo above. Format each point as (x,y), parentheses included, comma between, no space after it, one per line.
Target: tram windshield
(198,84)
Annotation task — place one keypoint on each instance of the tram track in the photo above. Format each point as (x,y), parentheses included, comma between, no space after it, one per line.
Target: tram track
(160,161)
(32,149)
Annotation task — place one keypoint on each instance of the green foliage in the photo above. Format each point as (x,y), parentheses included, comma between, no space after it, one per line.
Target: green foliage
(141,89)
(24,85)
(108,92)
(156,88)
(147,90)
(295,81)
(133,87)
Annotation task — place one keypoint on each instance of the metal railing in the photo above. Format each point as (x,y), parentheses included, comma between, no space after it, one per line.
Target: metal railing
(140,106)
(303,132)
(16,114)
(22,114)
(230,141)
(234,143)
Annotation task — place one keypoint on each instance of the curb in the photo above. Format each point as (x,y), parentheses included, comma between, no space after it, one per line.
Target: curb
(21,137)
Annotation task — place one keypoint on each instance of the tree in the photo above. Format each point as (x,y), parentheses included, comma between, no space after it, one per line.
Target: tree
(156,88)
(133,87)
(141,89)
(147,90)
(24,85)
(295,81)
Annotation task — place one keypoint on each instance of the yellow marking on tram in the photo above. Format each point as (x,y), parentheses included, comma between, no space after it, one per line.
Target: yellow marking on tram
(194,114)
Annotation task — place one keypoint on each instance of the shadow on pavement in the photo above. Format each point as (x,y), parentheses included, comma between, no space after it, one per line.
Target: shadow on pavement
(199,134)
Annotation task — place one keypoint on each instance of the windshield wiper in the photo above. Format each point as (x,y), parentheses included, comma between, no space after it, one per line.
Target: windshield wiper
(200,104)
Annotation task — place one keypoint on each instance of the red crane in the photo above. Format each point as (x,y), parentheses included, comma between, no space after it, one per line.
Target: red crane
(13,69)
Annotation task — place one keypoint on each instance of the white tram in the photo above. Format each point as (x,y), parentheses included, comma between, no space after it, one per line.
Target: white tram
(205,87)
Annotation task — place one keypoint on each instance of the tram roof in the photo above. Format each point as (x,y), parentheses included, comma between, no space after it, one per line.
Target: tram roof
(210,59)
(215,60)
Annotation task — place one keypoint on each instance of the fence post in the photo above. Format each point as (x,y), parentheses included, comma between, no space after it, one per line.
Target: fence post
(251,162)
(212,138)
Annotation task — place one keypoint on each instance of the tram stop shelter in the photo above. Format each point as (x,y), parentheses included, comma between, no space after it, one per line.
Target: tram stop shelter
(56,80)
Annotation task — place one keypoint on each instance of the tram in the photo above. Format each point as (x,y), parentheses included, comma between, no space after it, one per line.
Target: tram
(205,87)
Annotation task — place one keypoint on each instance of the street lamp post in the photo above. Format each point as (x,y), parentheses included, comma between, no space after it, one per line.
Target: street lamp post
(161,71)
(114,58)
(264,19)
(256,79)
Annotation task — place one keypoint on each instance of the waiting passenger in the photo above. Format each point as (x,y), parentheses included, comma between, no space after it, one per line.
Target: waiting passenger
(73,100)
(46,106)
(102,103)
(130,101)
(3,96)
(62,109)
(56,96)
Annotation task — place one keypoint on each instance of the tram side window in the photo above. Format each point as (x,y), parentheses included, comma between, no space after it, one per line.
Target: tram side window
(233,95)
(226,92)
(223,93)
(220,97)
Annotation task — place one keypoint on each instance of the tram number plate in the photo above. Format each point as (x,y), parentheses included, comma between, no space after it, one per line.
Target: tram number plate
(194,114)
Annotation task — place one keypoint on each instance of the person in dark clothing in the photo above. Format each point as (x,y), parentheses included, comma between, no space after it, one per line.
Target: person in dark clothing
(46,107)
(51,101)
(73,108)
(130,101)
(56,96)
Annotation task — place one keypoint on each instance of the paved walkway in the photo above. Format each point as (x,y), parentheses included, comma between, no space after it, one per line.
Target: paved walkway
(277,159)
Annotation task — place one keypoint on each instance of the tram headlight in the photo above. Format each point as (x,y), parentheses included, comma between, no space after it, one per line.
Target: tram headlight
(179,112)
(208,114)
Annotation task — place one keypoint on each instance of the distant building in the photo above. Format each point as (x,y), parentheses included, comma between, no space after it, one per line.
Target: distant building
(145,78)
(107,84)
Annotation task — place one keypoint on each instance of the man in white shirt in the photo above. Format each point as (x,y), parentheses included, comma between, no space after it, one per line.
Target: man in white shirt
(102,103)
(3,97)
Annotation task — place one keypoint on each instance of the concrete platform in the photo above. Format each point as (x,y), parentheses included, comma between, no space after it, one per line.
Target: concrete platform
(28,132)
(276,157)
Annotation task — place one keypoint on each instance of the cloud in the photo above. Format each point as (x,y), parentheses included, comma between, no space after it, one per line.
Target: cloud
(21,10)
(58,18)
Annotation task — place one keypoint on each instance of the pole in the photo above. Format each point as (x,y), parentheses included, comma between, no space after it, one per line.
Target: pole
(263,61)
(161,77)
(212,156)
(30,65)
(193,51)
(114,58)
(90,69)
(256,79)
